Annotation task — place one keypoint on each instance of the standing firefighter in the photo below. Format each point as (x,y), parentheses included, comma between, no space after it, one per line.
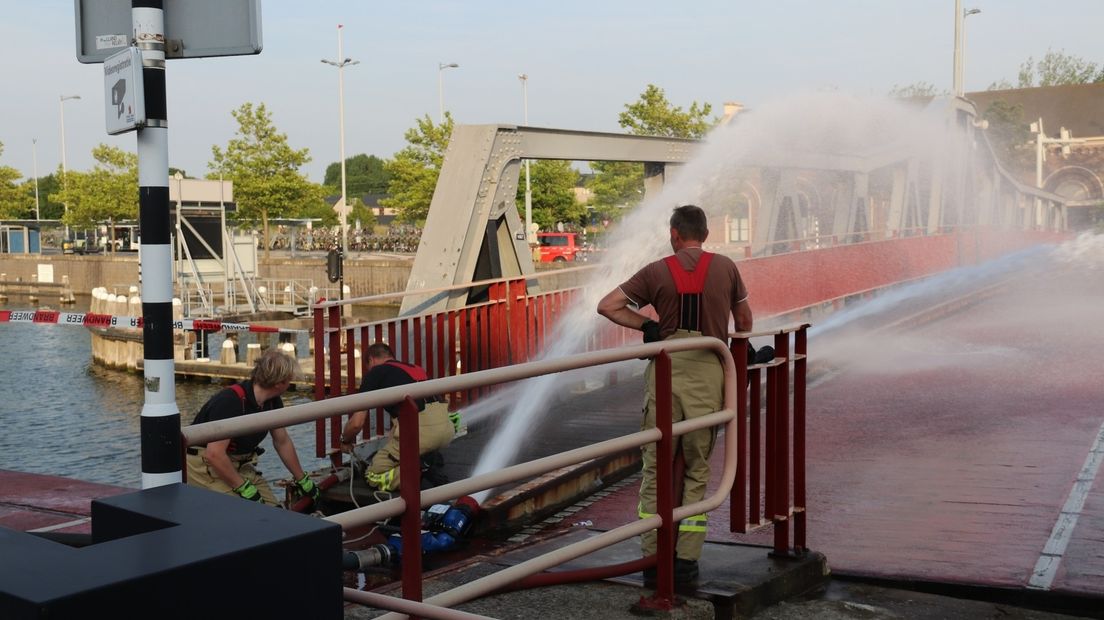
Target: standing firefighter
(229,465)
(694,293)
(436,426)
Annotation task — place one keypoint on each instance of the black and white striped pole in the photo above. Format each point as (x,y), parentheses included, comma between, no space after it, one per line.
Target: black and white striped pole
(160,421)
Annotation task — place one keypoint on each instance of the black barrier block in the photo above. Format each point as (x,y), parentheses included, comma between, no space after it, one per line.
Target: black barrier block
(178,551)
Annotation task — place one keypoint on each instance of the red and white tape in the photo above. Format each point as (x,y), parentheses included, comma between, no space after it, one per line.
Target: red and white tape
(91,319)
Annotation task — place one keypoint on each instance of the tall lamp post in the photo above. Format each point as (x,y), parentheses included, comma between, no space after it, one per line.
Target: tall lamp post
(64,177)
(441,66)
(962,52)
(34,158)
(524,77)
(341,63)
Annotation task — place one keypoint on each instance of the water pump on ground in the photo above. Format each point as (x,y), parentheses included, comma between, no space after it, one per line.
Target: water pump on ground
(444,526)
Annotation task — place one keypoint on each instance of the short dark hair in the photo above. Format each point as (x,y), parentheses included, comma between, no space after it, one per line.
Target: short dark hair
(380,350)
(690,222)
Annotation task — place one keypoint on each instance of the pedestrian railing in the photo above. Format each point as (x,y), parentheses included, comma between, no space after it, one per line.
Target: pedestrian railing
(734,416)
(510,327)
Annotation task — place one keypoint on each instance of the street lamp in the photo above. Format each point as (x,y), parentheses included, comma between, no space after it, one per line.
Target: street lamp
(962,53)
(341,63)
(441,66)
(64,178)
(34,158)
(524,77)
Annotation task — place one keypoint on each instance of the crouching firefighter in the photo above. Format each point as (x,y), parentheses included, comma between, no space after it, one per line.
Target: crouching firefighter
(436,426)
(229,465)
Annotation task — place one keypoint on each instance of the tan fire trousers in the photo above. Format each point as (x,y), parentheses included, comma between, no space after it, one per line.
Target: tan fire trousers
(201,475)
(435,431)
(697,389)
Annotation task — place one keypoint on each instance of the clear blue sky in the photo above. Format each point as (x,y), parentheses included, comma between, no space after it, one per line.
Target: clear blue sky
(585,61)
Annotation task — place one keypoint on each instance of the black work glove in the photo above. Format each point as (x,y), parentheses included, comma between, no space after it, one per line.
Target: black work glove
(651,331)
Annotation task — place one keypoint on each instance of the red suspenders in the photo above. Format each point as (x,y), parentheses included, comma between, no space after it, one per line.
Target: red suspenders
(690,286)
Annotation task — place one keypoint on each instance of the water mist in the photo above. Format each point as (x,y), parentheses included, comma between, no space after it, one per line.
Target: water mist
(820,123)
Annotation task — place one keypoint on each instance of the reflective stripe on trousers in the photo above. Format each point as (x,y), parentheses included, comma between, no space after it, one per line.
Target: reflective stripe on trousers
(693,523)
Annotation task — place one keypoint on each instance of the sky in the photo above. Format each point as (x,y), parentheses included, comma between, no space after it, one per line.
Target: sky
(585,62)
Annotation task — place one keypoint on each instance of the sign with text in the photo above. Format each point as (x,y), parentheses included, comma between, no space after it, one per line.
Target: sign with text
(193,28)
(124,97)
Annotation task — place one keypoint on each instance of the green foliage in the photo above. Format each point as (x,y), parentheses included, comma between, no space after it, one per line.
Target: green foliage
(616,184)
(107,193)
(14,201)
(361,212)
(265,171)
(1007,132)
(364,174)
(553,185)
(653,115)
(1001,84)
(50,184)
(621,184)
(415,169)
(1057,68)
(916,89)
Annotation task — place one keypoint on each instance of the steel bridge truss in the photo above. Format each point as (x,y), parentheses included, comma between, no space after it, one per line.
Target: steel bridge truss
(473,231)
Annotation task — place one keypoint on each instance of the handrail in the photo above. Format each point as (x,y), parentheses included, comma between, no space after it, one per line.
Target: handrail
(307,412)
(222,429)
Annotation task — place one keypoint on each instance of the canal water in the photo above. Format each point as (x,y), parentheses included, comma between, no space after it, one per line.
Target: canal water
(62,415)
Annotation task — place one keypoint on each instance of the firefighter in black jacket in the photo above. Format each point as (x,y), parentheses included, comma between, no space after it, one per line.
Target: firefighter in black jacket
(435,426)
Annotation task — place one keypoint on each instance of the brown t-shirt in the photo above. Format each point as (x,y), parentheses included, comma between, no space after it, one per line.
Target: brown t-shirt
(724,289)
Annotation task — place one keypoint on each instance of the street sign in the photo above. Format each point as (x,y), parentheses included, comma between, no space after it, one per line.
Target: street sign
(124,100)
(193,28)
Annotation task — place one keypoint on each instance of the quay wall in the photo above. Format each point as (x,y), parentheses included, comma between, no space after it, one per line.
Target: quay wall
(117,273)
(365,275)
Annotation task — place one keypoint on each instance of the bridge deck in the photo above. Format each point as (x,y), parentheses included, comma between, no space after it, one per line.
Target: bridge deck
(949,452)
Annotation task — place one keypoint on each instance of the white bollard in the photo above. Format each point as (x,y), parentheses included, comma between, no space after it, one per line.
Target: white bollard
(252,352)
(288,348)
(229,353)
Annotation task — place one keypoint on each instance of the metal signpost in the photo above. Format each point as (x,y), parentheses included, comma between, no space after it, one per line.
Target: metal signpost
(128,35)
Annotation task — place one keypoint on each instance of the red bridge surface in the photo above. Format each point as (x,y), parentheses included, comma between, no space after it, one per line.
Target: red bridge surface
(957,450)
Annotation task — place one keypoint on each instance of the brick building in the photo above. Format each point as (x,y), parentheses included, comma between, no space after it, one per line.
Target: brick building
(1074,159)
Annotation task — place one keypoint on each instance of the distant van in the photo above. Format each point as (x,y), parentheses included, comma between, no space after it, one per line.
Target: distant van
(559,247)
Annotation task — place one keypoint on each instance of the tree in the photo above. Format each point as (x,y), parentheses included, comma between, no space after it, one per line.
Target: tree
(653,115)
(916,89)
(47,185)
(618,184)
(364,174)
(107,193)
(1007,132)
(1057,68)
(14,201)
(553,183)
(265,170)
(415,169)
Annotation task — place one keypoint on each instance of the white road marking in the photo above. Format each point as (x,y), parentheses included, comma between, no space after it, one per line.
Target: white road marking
(1047,567)
(60,526)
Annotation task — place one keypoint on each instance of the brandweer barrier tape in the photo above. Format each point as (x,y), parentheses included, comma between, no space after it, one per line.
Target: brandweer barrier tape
(91,319)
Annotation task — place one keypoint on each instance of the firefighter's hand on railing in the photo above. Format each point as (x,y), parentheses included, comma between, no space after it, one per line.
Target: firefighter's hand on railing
(651,331)
(308,488)
(347,446)
(247,491)
(457,421)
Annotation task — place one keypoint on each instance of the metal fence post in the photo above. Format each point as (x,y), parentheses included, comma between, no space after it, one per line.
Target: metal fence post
(410,488)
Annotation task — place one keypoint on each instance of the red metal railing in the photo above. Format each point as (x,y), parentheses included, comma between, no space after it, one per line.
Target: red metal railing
(734,416)
(770,479)
(511,327)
